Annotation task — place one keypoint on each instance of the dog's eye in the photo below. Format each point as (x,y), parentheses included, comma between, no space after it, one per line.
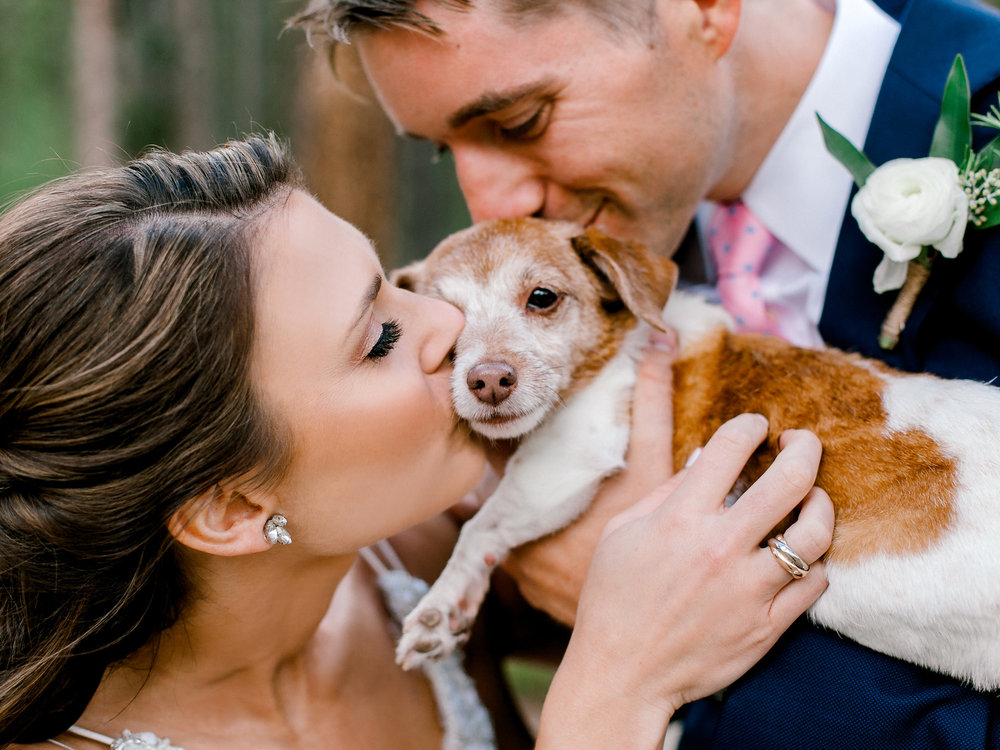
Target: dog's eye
(542,298)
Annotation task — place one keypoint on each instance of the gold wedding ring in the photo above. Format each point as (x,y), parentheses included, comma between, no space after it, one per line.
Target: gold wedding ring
(786,557)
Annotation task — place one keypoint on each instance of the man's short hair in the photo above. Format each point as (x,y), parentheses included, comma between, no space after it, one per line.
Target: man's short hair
(333,21)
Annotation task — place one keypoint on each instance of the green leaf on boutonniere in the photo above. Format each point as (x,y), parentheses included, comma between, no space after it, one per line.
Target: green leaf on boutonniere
(953,132)
(845,152)
(992,218)
(991,120)
(988,157)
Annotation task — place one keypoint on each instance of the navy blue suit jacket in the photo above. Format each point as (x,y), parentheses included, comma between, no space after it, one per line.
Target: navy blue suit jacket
(816,690)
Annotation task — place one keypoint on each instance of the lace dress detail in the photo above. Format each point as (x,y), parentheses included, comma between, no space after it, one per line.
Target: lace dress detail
(465,720)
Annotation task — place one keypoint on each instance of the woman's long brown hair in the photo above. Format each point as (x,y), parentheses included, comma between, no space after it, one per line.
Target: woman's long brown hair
(126,326)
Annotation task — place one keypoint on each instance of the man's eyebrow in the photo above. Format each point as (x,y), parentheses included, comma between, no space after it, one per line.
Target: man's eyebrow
(369,299)
(494,101)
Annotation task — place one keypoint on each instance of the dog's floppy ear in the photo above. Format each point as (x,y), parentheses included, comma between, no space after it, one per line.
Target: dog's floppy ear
(641,279)
(408,276)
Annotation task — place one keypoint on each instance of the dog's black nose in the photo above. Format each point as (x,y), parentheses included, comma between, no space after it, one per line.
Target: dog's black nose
(492,382)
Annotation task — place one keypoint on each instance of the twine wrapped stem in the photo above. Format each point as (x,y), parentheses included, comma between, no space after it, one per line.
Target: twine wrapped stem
(917,273)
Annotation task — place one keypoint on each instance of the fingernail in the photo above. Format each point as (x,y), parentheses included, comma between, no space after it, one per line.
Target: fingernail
(692,458)
(664,341)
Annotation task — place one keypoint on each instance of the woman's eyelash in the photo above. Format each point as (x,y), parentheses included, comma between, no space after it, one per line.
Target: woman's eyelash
(391,331)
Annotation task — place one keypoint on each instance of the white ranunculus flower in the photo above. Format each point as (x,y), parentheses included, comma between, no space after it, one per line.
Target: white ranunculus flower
(906,204)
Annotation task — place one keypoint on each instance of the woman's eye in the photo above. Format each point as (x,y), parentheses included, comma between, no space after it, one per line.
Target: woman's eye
(530,128)
(542,298)
(391,331)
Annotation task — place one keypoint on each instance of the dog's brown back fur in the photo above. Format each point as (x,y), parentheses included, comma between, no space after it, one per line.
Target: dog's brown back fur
(892,491)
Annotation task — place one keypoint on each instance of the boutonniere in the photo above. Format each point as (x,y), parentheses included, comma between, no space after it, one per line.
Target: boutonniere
(917,210)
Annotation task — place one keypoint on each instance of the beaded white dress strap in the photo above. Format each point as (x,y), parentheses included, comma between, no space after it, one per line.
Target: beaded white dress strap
(127,741)
(464,717)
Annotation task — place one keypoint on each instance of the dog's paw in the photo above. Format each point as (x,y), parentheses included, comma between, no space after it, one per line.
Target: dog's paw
(431,632)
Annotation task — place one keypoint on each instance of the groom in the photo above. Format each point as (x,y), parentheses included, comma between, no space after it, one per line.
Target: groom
(638,116)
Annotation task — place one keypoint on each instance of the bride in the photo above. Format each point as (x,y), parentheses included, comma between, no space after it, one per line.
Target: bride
(212,400)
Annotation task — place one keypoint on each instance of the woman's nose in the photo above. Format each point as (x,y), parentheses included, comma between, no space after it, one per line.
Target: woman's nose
(497,184)
(443,324)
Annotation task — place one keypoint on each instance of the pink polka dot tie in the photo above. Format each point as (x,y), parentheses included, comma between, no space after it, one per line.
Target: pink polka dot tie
(739,243)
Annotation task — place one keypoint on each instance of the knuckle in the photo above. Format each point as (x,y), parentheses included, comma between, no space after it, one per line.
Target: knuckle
(717,557)
(741,434)
(797,476)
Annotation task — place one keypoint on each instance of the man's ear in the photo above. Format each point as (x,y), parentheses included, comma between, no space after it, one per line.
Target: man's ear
(225,521)
(720,19)
(641,279)
(713,22)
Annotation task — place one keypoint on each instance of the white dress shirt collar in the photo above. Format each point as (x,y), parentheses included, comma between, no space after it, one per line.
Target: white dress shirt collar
(800,191)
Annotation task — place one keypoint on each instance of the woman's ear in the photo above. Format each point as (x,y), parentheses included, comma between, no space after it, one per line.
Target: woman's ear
(224,521)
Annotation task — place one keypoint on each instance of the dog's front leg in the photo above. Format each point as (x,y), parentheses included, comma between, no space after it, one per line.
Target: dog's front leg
(531,500)
(441,621)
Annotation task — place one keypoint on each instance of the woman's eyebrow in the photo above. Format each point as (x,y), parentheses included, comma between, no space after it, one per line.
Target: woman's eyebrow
(369,299)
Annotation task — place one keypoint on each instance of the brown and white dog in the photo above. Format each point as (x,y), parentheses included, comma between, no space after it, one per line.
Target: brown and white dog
(555,319)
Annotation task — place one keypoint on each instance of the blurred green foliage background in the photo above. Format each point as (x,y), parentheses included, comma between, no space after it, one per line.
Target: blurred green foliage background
(90,81)
(86,82)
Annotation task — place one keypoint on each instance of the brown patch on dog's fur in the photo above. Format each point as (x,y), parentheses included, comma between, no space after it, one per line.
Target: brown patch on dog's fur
(641,280)
(892,492)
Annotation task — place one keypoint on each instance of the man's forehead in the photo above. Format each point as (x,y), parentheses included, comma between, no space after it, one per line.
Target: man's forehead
(472,54)
(628,16)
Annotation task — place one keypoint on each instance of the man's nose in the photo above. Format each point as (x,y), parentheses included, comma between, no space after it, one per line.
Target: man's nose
(498,184)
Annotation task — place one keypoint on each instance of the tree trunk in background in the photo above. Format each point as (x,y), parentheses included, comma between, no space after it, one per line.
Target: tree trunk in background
(251,72)
(194,80)
(346,147)
(94,81)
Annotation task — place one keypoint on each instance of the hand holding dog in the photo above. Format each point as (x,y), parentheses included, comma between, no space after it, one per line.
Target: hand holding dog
(697,570)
